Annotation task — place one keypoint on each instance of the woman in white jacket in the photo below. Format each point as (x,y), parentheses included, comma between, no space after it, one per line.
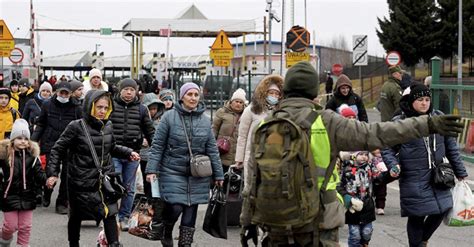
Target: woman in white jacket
(267,94)
(94,82)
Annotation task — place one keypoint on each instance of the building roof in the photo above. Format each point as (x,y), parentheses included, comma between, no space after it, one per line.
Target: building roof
(190,23)
(76,59)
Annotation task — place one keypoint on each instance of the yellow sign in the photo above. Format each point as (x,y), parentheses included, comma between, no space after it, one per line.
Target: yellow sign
(222,54)
(221,63)
(294,57)
(222,42)
(6,40)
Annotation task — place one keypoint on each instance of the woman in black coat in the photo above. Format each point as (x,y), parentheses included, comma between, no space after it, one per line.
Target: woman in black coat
(86,201)
(424,204)
(33,106)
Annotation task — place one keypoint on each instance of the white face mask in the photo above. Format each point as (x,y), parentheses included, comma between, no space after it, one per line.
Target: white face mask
(62,99)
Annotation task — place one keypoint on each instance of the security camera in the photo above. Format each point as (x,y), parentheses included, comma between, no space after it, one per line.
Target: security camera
(275,16)
(267,9)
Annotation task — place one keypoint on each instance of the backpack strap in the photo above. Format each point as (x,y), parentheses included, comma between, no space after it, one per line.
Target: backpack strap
(14,113)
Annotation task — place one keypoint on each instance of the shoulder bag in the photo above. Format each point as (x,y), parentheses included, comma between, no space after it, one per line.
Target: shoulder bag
(442,174)
(110,184)
(223,143)
(200,164)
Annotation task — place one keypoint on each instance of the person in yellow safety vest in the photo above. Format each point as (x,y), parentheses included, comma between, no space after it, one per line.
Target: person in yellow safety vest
(331,133)
(14,102)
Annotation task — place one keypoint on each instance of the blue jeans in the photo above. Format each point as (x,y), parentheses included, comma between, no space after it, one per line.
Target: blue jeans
(128,171)
(359,234)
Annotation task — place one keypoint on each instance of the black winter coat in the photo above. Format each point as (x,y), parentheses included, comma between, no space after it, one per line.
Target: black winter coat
(52,121)
(417,196)
(18,196)
(32,111)
(132,123)
(24,97)
(83,175)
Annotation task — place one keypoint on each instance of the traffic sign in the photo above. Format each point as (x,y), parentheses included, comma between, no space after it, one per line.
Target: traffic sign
(222,54)
(337,69)
(7,43)
(16,55)
(359,50)
(294,57)
(221,63)
(105,31)
(222,42)
(393,58)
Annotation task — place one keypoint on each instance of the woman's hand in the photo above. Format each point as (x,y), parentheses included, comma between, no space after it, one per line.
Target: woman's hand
(134,156)
(218,182)
(150,177)
(51,181)
(239,165)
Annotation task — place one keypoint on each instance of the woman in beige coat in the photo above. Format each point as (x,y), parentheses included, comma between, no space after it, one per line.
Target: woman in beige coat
(226,125)
(265,98)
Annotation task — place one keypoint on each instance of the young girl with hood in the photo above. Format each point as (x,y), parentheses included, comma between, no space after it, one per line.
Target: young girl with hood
(33,106)
(343,94)
(22,176)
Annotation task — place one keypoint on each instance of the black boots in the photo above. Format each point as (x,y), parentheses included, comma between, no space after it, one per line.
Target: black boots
(167,240)
(115,244)
(185,236)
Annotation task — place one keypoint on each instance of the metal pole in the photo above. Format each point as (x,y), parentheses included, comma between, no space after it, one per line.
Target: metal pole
(460,56)
(292,13)
(305,15)
(270,39)
(167,51)
(282,36)
(361,83)
(264,41)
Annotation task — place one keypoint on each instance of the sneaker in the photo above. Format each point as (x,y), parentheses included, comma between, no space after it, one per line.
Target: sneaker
(380,211)
(61,209)
(124,224)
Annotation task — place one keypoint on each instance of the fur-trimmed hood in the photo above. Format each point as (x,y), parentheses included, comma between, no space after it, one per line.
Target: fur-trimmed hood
(6,146)
(259,97)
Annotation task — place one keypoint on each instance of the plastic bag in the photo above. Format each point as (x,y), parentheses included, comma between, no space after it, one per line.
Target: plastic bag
(462,213)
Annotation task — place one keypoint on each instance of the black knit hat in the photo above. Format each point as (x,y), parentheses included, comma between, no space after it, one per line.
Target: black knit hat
(24,82)
(301,80)
(6,91)
(127,82)
(417,91)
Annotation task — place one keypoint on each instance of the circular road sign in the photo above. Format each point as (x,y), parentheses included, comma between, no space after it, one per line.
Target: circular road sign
(393,58)
(337,69)
(16,55)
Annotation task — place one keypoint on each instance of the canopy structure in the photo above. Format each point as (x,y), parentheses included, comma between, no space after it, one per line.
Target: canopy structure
(190,23)
(68,61)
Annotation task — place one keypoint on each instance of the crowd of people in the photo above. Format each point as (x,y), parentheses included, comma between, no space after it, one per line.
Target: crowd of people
(74,133)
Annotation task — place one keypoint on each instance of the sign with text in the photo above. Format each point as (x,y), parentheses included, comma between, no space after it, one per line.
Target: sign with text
(16,55)
(294,57)
(221,50)
(7,43)
(393,58)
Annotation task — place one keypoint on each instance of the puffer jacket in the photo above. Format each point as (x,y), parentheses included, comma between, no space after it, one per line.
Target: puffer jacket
(52,121)
(7,116)
(20,194)
(32,110)
(169,155)
(24,97)
(83,175)
(226,125)
(248,122)
(131,123)
(417,196)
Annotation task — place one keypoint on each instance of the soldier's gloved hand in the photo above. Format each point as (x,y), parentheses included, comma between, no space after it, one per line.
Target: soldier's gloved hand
(356,205)
(445,125)
(248,232)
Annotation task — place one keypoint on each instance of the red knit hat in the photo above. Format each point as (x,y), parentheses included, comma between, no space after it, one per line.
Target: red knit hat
(348,112)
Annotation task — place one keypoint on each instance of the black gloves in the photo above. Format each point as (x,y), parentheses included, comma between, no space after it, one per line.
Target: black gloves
(249,232)
(445,125)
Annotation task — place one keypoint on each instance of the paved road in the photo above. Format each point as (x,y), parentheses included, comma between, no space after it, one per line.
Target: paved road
(50,229)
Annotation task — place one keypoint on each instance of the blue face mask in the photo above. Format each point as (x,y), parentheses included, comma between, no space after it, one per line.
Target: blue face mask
(272,100)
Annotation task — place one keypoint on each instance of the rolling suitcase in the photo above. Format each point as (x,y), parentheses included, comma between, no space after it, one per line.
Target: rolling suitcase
(233,185)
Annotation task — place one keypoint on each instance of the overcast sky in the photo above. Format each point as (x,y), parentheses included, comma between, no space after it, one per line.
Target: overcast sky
(328,18)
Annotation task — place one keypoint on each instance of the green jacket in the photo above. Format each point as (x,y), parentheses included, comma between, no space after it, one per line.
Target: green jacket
(389,98)
(347,135)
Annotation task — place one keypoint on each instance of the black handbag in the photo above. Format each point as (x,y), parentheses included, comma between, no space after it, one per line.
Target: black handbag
(215,220)
(442,175)
(110,184)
